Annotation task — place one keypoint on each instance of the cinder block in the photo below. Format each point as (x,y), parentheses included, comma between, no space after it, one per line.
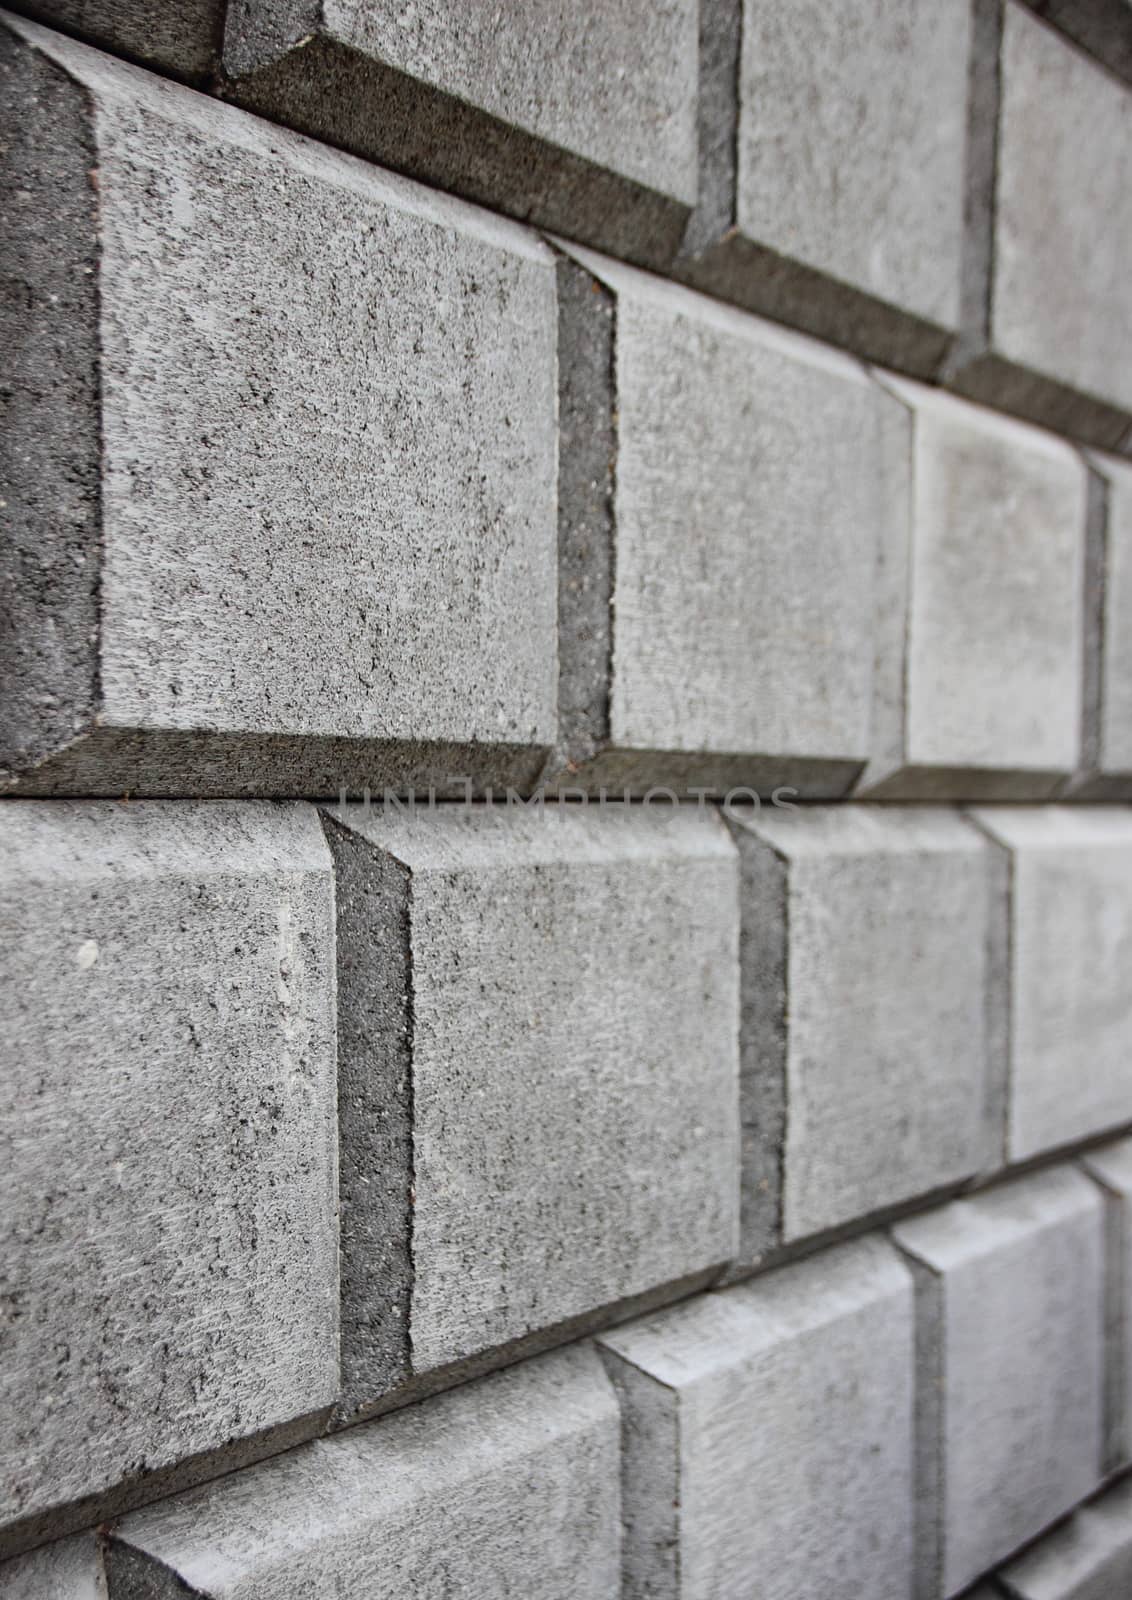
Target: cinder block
(1107,745)
(538,1073)
(167,1191)
(580,118)
(1112,1169)
(1071,955)
(507,1486)
(980,639)
(1050,336)
(71,1569)
(846,220)
(767,1435)
(1008,1350)
(738,487)
(1087,1558)
(866,1062)
(178,36)
(281,464)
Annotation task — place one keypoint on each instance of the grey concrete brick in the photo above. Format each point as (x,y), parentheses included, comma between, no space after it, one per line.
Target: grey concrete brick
(1009,1341)
(978,682)
(1102,27)
(1107,755)
(867,1076)
(538,1072)
(848,220)
(178,36)
(70,1569)
(1087,1558)
(507,1487)
(753,473)
(580,118)
(1052,340)
(167,1187)
(1071,949)
(305,534)
(767,1435)
(1111,1167)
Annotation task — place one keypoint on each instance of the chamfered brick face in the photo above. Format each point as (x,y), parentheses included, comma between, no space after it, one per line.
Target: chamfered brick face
(168,1115)
(566,820)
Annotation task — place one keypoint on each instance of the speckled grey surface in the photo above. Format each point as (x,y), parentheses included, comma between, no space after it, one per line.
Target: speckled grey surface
(71,1569)
(580,118)
(574,1062)
(748,500)
(864,1051)
(290,343)
(178,36)
(1010,1420)
(846,220)
(1071,954)
(782,1410)
(168,1182)
(505,1489)
(979,690)
(1058,342)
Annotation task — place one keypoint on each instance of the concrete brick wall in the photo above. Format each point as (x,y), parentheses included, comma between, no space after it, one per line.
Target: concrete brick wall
(565,851)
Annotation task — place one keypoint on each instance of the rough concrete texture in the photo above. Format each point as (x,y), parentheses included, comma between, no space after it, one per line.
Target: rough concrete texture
(504,1488)
(582,119)
(1009,1342)
(290,342)
(573,1073)
(167,1185)
(1111,1168)
(978,683)
(1071,939)
(750,487)
(1102,27)
(767,1435)
(178,36)
(68,1570)
(1087,1558)
(1058,327)
(1109,760)
(866,1073)
(847,221)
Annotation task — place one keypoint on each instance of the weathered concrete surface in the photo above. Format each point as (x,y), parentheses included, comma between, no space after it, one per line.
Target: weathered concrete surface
(167,1185)
(1055,337)
(1111,1167)
(767,1435)
(505,1487)
(1009,1340)
(68,1570)
(554,1013)
(1087,1558)
(847,220)
(866,1069)
(582,119)
(1108,713)
(178,36)
(1071,938)
(978,683)
(292,593)
(750,487)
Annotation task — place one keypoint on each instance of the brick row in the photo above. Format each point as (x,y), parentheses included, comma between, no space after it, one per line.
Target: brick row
(361,486)
(934,211)
(307,1120)
(891,1417)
